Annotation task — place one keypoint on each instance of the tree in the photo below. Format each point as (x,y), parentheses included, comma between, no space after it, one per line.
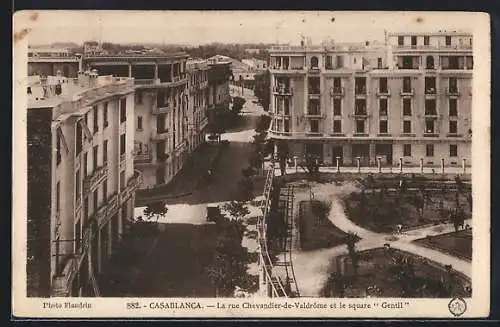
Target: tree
(237,209)
(406,276)
(238,103)
(350,240)
(218,122)
(263,89)
(457,217)
(155,210)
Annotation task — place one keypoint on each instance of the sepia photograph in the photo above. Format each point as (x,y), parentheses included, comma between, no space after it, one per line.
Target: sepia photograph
(205,163)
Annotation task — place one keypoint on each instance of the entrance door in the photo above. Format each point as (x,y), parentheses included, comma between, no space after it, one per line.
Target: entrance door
(385,151)
(337,152)
(363,152)
(315,150)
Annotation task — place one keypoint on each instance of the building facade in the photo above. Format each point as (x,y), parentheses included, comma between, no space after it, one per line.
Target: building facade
(81,179)
(407,101)
(219,76)
(50,61)
(197,114)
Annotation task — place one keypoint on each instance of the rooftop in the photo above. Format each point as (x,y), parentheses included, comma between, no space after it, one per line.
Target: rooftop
(433,33)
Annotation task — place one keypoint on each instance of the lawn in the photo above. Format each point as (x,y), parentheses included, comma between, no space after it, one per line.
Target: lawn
(458,244)
(316,230)
(378,276)
(382,212)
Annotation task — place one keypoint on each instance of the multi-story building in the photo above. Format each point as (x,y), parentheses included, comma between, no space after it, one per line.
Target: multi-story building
(160,110)
(81,179)
(49,61)
(407,101)
(218,80)
(197,114)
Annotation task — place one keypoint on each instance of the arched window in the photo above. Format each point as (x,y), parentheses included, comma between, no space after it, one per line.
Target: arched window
(314,62)
(429,62)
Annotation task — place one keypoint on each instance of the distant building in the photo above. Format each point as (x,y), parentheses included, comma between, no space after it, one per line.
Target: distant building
(408,102)
(255,64)
(50,61)
(252,51)
(93,48)
(219,77)
(81,179)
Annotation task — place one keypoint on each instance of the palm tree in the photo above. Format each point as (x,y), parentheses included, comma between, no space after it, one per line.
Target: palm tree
(350,240)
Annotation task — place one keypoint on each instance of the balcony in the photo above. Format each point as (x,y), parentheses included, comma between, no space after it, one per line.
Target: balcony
(383,92)
(430,133)
(146,81)
(314,70)
(431,114)
(360,114)
(452,92)
(161,109)
(131,186)
(314,113)
(313,133)
(430,91)
(360,91)
(407,92)
(285,91)
(160,135)
(337,92)
(314,93)
(92,180)
(143,157)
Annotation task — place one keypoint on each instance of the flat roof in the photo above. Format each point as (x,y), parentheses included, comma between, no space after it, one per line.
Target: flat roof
(37,100)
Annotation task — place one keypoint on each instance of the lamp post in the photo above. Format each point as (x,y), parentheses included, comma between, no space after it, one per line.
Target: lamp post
(464,168)
(338,164)
(379,164)
(401,165)
(422,165)
(358,161)
(442,166)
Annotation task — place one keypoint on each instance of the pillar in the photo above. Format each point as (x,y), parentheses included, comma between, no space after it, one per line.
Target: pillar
(442,165)
(171,72)
(422,165)
(156,72)
(372,154)
(129,70)
(338,164)
(358,162)
(295,163)
(463,165)
(400,165)
(379,164)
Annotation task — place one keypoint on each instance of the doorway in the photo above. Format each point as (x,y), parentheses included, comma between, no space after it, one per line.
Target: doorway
(363,152)
(337,151)
(315,150)
(384,151)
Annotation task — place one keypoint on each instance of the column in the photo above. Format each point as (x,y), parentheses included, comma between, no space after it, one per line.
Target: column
(422,165)
(442,165)
(379,164)
(358,162)
(338,164)
(372,154)
(171,72)
(156,72)
(295,163)
(400,165)
(463,165)
(129,70)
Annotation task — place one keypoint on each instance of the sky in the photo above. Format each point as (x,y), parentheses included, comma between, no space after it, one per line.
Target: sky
(199,27)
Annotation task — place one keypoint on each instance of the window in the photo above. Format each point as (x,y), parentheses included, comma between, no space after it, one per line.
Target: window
(94,157)
(139,97)
(426,40)
(429,62)
(360,107)
(79,138)
(452,84)
(122,179)
(406,84)
(95,199)
(406,107)
(77,236)
(160,123)
(453,112)
(77,186)
(382,84)
(453,126)
(329,62)
(337,107)
(430,107)
(314,126)
(448,40)
(58,147)
(401,40)
(86,208)
(123,110)
(453,150)
(85,163)
(340,61)
(407,127)
(429,150)
(383,107)
(379,63)
(407,150)
(383,126)
(429,126)
(105,190)
(105,153)
(95,113)
(337,126)
(360,126)
(314,62)
(469,63)
(122,144)
(139,123)
(360,85)
(430,85)
(58,197)
(413,41)
(105,114)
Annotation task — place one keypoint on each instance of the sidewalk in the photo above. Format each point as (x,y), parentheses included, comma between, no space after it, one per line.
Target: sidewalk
(186,180)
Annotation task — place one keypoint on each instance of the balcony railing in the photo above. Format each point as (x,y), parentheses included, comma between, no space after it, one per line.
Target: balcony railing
(95,178)
(360,91)
(430,91)
(383,92)
(146,81)
(314,113)
(160,135)
(452,91)
(431,113)
(315,92)
(407,91)
(314,69)
(337,91)
(143,157)
(132,185)
(161,109)
(360,113)
(280,90)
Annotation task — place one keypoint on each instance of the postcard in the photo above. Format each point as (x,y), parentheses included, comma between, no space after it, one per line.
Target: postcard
(208,164)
